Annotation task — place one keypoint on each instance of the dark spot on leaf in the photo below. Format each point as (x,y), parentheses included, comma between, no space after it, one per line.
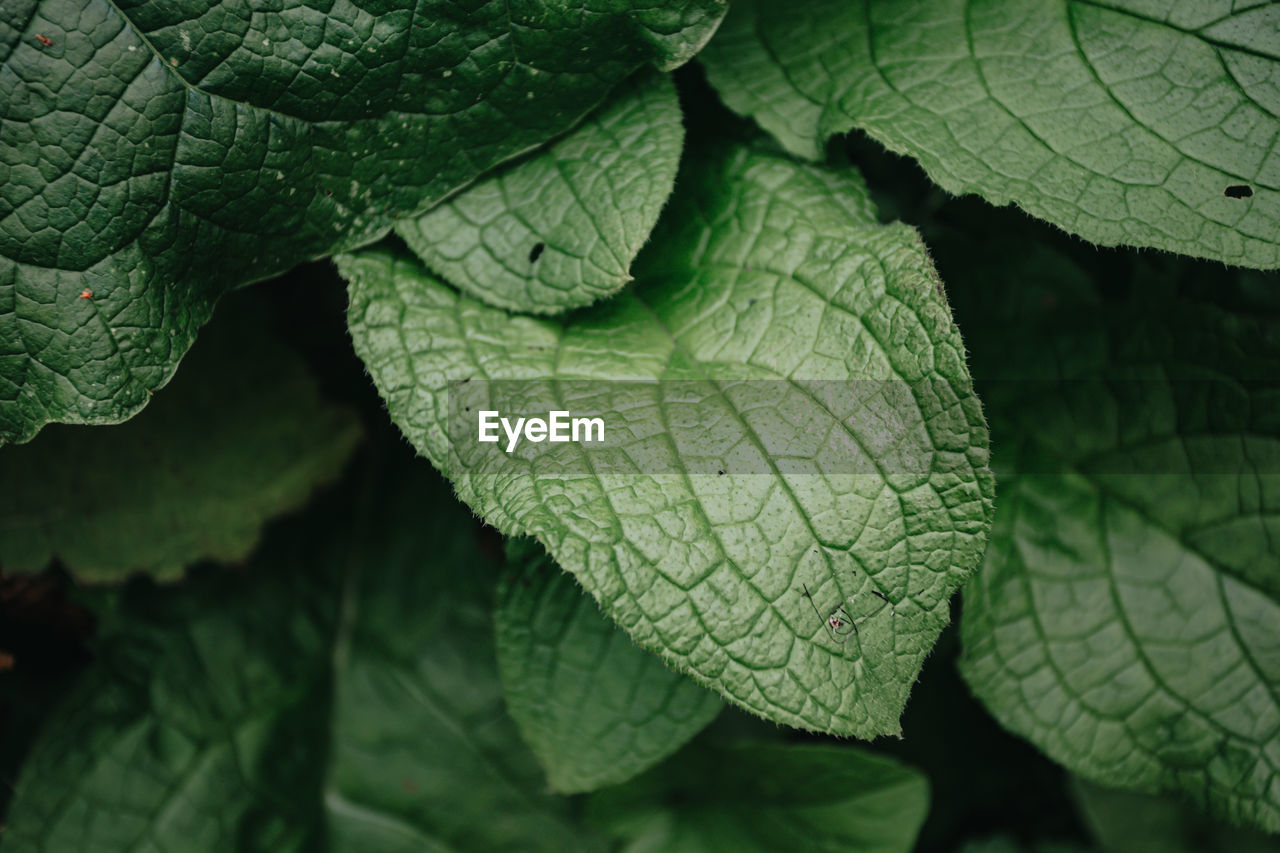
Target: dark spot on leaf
(1238,191)
(721,471)
(536,251)
(751,302)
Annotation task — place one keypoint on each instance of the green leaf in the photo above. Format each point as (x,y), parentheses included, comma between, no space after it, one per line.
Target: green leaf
(767,797)
(1124,619)
(561,229)
(595,708)
(1005,844)
(1128,122)
(1125,822)
(775,329)
(342,695)
(158,154)
(240,436)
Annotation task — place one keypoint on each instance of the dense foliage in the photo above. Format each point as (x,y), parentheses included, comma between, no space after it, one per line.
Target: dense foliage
(250,616)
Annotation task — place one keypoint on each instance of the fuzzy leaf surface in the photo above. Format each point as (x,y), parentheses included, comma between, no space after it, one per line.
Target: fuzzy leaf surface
(157,154)
(595,708)
(1151,123)
(791,413)
(561,229)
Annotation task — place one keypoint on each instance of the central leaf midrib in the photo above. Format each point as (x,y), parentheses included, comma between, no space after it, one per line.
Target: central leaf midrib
(781,480)
(711,528)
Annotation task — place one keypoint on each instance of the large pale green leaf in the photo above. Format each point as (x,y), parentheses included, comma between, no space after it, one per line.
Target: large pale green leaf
(1127,616)
(241,435)
(1126,822)
(561,228)
(341,695)
(595,708)
(801,421)
(768,797)
(1128,122)
(158,152)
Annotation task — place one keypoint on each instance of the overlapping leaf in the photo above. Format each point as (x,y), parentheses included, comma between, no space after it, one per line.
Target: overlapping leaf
(1128,122)
(595,708)
(562,228)
(1126,617)
(767,797)
(1005,844)
(240,436)
(1126,822)
(801,424)
(343,695)
(156,154)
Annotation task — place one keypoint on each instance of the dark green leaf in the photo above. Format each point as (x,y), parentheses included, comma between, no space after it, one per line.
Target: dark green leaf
(156,153)
(1128,122)
(1125,617)
(595,708)
(792,414)
(341,695)
(1126,822)
(1004,844)
(768,797)
(562,228)
(241,435)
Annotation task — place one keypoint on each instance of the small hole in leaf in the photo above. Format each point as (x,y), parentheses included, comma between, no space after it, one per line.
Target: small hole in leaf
(1238,191)
(536,251)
